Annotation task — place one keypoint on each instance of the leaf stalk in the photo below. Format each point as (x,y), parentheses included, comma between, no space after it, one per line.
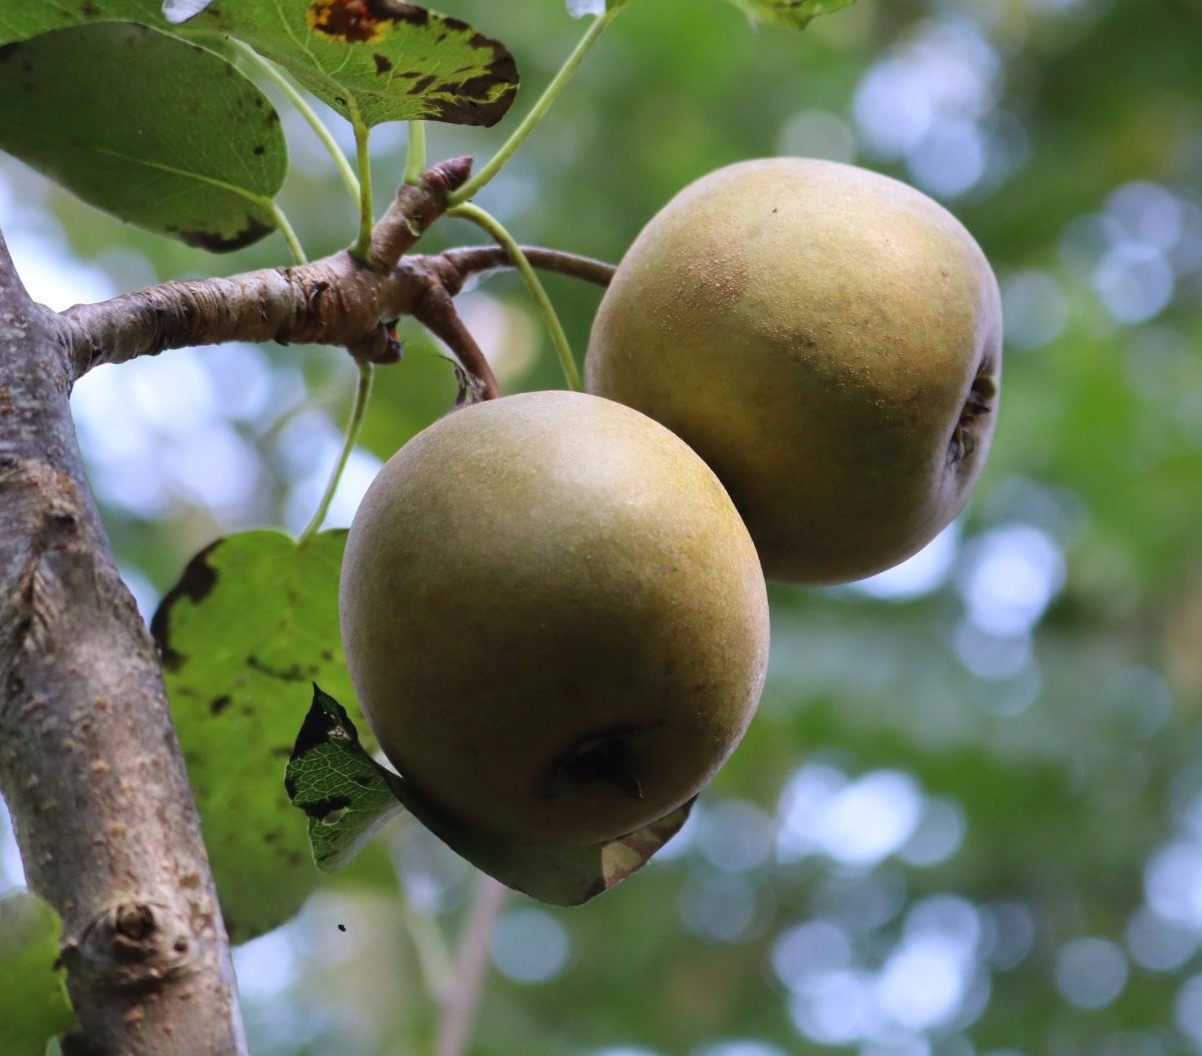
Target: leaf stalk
(534,286)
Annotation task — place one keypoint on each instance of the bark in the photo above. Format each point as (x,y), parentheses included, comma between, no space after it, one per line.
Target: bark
(332,301)
(89,763)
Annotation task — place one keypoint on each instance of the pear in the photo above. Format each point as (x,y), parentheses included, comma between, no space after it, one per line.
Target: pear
(829,340)
(554,618)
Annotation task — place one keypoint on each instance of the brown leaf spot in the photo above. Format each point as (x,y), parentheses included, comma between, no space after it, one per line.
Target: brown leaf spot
(215,243)
(195,584)
(361,21)
(383,64)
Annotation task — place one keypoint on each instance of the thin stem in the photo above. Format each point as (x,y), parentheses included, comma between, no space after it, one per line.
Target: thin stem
(269,70)
(289,233)
(415,155)
(353,428)
(559,339)
(462,997)
(361,250)
(538,111)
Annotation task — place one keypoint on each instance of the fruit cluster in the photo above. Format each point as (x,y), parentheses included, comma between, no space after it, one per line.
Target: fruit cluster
(553,604)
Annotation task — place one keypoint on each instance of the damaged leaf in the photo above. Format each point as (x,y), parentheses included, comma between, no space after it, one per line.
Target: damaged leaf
(376,60)
(347,796)
(251,624)
(188,148)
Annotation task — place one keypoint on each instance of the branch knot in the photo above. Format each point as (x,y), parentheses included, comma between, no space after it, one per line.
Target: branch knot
(132,945)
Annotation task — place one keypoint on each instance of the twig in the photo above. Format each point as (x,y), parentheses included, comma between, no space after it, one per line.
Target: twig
(473,260)
(462,996)
(332,301)
(436,311)
(413,210)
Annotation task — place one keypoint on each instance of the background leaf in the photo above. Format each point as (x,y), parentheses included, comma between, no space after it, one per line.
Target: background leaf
(188,148)
(250,625)
(793,14)
(385,61)
(34,1006)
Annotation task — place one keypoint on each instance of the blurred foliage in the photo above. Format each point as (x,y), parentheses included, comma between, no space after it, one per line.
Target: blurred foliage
(33,991)
(968,819)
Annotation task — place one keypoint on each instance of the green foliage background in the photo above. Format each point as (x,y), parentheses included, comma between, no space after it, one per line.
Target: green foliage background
(996,774)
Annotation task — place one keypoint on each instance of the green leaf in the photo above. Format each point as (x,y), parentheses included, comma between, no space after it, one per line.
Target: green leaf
(347,795)
(22,19)
(793,14)
(251,624)
(188,147)
(383,61)
(34,1006)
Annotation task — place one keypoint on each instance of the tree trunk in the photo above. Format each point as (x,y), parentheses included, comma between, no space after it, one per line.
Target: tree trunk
(89,762)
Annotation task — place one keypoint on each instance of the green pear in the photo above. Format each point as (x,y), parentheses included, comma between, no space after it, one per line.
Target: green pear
(829,340)
(554,618)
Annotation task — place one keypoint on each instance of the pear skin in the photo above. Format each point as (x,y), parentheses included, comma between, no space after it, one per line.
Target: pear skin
(829,340)
(554,618)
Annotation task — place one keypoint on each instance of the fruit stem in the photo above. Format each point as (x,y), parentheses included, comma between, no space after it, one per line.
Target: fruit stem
(415,153)
(289,233)
(535,288)
(538,111)
(361,250)
(353,428)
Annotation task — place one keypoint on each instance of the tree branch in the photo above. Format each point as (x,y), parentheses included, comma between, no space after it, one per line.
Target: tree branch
(459,1001)
(332,301)
(89,763)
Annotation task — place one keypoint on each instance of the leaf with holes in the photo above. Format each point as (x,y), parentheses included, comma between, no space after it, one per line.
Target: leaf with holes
(188,148)
(347,796)
(251,624)
(34,1006)
(375,60)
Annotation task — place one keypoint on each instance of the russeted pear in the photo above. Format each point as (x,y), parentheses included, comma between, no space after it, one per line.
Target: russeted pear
(828,339)
(554,618)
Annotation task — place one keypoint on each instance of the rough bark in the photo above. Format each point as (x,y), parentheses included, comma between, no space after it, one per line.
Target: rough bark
(89,763)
